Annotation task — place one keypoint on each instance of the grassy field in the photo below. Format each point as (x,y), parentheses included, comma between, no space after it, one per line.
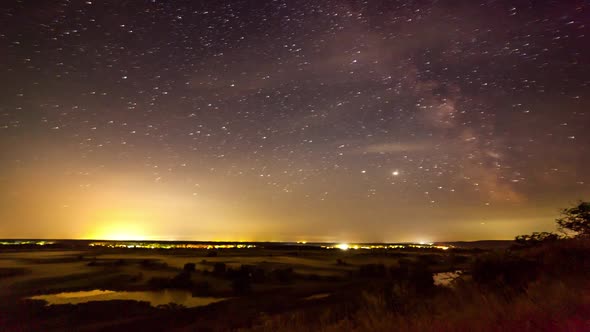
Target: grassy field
(51,270)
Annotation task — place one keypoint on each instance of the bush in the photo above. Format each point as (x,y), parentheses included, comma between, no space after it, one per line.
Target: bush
(569,257)
(259,275)
(285,275)
(454,259)
(404,261)
(189,267)
(241,284)
(159,282)
(201,288)
(219,269)
(536,239)
(150,264)
(372,271)
(504,271)
(399,272)
(181,281)
(428,259)
(420,279)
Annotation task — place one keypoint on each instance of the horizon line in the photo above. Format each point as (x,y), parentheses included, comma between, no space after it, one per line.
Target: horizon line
(242,241)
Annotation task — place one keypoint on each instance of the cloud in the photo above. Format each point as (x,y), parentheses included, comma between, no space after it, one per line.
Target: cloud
(395,147)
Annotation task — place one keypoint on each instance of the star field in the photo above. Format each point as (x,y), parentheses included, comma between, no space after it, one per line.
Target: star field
(292,120)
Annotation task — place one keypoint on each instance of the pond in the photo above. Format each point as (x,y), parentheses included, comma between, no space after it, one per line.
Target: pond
(155,298)
(317,296)
(446,278)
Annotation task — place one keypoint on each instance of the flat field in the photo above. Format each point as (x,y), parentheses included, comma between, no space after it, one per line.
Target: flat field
(251,283)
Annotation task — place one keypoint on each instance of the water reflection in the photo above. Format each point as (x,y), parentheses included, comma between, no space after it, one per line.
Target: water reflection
(446,278)
(317,296)
(155,298)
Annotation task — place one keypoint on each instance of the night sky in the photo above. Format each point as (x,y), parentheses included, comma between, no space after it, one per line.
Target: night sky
(292,120)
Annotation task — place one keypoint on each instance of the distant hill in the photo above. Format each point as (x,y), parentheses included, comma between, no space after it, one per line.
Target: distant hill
(483,244)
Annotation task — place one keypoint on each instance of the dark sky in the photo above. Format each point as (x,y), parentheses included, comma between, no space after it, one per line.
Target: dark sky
(292,120)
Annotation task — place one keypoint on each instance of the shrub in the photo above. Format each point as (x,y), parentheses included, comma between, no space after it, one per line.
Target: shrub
(219,269)
(158,282)
(341,262)
(259,275)
(151,264)
(504,271)
(181,280)
(189,267)
(536,238)
(285,275)
(372,271)
(454,259)
(201,288)
(241,284)
(428,259)
(420,279)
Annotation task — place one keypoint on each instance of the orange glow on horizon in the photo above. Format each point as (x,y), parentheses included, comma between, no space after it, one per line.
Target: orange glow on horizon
(120,223)
(119,231)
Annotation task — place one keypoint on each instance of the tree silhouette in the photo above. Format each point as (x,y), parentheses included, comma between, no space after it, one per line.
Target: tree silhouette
(536,238)
(576,219)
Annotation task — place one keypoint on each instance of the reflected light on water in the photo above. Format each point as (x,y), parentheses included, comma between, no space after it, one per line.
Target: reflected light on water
(74,295)
(155,298)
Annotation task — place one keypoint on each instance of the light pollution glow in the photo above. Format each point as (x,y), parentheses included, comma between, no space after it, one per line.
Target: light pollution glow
(120,207)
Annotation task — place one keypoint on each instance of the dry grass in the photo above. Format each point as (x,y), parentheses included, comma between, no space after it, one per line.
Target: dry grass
(554,306)
(557,300)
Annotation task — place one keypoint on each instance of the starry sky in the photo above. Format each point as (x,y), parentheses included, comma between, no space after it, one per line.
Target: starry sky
(292,120)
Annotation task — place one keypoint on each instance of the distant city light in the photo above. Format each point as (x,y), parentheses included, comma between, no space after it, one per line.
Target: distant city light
(343,246)
(27,242)
(168,245)
(228,245)
(347,246)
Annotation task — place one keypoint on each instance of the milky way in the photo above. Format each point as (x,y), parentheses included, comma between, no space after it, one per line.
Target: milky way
(292,120)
